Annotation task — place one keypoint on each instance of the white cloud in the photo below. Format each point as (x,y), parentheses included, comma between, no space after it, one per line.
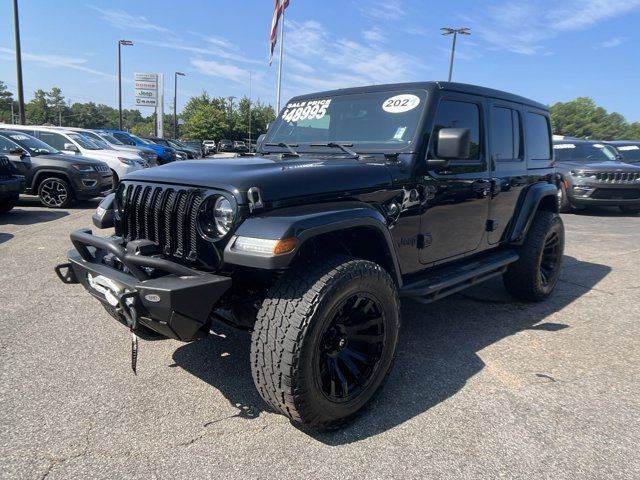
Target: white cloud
(126,21)
(54,61)
(374,35)
(384,9)
(225,71)
(614,42)
(524,27)
(317,60)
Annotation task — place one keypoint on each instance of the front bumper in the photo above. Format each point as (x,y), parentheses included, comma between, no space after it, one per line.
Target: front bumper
(169,298)
(91,186)
(594,194)
(11,187)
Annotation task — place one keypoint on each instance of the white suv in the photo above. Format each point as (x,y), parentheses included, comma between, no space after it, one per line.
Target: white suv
(74,143)
(209,146)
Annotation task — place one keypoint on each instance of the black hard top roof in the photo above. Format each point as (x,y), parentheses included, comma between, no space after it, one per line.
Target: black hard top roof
(429,86)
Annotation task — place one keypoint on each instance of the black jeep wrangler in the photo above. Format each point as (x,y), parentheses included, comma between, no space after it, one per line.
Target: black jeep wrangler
(357,198)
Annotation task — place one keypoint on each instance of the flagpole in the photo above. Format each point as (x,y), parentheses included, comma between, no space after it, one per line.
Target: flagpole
(280,60)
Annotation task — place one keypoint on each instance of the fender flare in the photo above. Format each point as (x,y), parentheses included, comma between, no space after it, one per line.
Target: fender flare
(305,223)
(527,207)
(38,174)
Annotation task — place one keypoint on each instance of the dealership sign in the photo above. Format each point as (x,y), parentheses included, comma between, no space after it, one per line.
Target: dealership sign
(146,89)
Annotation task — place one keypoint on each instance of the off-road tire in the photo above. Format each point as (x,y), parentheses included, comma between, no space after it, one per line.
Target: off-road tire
(630,210)
(523,278)
(8,203)
(291,324)
(50,201)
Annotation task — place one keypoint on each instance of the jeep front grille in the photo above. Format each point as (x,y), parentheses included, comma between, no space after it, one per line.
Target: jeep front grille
(617,177)
(165,215)
(5,167)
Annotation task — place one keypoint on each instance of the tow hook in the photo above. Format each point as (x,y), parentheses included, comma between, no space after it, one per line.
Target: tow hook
(126,301)
(65,273)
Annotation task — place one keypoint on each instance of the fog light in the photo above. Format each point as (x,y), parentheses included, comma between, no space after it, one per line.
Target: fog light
(264,245)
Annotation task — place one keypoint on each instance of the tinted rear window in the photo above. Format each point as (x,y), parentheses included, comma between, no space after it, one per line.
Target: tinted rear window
(538,137)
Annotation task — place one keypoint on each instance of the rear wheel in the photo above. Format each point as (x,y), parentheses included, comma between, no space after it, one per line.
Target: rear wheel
(55,192)
(325,339)
(7,204)
(534,276)
(631,210)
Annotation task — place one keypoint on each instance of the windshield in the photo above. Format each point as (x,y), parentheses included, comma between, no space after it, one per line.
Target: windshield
(141,140)
(110,139)
(175,143)
(583,152)
(630,152)
(376,120)
(95,138)
(33,145)
(84,142)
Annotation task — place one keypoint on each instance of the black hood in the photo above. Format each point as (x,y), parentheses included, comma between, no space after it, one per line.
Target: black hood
(61,157)
(277,179)
(598,166)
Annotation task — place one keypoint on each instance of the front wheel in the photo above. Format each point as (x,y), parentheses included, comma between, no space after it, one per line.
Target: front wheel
(564,205)
(7,204)
(325,339)
(55,192)
(534,276)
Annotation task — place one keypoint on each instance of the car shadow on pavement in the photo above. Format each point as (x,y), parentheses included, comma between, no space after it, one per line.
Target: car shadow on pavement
(19,216)
(5,237)
(437,353)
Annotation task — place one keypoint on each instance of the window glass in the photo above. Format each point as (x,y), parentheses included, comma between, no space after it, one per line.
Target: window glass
(630,152)
(124,139)
(84,142)
(54,139)
(583,152)
(538,137)
(505,134)
(455,114)
(6,145)
(32,144)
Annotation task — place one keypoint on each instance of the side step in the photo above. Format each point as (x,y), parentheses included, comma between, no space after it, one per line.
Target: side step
(442,281)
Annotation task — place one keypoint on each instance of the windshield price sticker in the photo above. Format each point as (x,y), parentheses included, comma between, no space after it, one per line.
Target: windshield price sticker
(306,110)
(628,148)
(563,146)
(19,137)
(401,103)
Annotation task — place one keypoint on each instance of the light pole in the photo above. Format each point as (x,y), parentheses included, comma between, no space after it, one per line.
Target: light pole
(175,103)
(16,27)
(120,44)
(455,32)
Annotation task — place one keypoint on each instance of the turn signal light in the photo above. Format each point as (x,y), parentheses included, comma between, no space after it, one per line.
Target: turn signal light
(285,246)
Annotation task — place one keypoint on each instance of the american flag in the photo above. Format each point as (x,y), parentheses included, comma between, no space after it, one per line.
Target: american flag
(278,9)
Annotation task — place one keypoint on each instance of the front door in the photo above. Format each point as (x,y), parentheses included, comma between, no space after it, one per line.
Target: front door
(455,198)
(10,149)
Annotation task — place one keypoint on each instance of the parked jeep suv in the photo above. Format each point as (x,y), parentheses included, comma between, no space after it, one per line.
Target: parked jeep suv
(57,179)
(357,198)
(591,173)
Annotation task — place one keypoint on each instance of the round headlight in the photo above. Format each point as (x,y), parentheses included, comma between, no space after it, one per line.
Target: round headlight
(216,217)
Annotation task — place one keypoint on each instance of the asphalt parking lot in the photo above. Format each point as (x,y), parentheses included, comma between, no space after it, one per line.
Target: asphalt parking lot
(483,386)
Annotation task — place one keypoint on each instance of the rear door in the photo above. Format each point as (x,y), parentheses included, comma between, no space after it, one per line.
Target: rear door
(21,162)
(508,166)
(456,198)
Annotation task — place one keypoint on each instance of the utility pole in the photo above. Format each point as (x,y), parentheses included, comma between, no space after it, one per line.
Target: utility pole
(175,103)
(249,111)
(16,29)
(120,44)
(454,32)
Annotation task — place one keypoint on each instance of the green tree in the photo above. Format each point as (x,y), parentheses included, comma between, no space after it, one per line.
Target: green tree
(632,132)
(261,115)
(37,110)
(204,122)
(6,100)
(57,105)
(583,118)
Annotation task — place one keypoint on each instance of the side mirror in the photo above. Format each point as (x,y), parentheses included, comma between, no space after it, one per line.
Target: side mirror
(17,151)
(619,157)
(453,144)
(103,218)
(70,147)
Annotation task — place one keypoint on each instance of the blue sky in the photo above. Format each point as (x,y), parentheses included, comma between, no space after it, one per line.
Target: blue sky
(546,50)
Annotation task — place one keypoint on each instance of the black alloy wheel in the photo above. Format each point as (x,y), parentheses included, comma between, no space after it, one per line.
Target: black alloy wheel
(55,193)
(550,261)
(351,348)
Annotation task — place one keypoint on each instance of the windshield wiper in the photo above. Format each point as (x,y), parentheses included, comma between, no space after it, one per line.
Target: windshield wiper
(342,146)
(288,146)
